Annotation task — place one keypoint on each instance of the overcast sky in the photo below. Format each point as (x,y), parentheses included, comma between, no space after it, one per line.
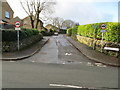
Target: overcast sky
(82,11)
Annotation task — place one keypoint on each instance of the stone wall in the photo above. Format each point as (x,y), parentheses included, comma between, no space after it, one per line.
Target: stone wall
(12,46)
(89,42)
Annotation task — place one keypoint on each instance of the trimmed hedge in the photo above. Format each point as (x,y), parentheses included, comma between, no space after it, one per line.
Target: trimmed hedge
(62,31)
(46,33)
(11,35)
(112,31)
(69,31)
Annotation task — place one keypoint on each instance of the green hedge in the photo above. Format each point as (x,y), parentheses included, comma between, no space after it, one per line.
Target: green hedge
(72,31)
(69,31)
(62,31)
(11,35)
(112,31)
(46,33)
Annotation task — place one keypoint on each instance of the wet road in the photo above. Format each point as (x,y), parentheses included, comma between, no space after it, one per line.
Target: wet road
(58,64)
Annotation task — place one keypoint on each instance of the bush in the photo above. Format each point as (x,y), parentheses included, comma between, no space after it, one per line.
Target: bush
(69,32)
(11,35)
(30,32)
(112,31)
(62,31)
(46,33)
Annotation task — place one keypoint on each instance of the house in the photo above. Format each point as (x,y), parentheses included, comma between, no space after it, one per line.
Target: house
(27,23)
(7,12)
(13,20)
(49,26)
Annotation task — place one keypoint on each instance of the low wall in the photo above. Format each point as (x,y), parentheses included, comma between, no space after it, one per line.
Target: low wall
(12,46)
(89,42)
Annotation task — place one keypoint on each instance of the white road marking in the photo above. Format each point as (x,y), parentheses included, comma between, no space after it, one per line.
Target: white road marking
(57,51)
(68,54)
(33,61)
(100,65)
(89,64)
(67,86)
(12,61)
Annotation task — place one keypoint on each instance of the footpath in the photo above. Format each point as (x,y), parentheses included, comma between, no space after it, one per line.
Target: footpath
(93,54)
(25,53)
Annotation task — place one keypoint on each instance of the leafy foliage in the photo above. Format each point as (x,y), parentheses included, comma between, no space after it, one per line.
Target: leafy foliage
(46,33)
(112,31)
(11,35)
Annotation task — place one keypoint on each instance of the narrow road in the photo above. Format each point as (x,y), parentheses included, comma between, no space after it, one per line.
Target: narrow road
(58,64)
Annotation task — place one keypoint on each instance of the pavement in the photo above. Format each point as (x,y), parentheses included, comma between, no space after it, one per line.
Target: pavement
(93,54)
(25,53)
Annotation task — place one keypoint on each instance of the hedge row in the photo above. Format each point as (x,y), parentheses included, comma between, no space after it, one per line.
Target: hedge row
(112,31)
(62,31)
(46,33)
(11,35)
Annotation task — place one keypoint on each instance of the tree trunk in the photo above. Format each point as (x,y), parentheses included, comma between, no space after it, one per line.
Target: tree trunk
(37,21)
(32,21)
(37,24)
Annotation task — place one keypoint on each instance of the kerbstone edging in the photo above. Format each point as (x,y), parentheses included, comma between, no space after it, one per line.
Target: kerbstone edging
(87,54)
(26,56)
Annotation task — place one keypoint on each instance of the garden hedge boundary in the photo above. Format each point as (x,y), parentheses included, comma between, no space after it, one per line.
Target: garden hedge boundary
(11,35)
(112,33)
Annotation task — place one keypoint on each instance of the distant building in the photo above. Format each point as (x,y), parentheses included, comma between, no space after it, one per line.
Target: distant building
(27,23)
(13,20)
(49,26)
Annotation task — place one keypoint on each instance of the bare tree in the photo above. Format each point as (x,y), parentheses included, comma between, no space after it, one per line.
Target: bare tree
(36,7)
(68,24)
(57,21)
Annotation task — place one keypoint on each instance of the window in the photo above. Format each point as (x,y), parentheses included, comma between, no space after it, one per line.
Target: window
(7,14)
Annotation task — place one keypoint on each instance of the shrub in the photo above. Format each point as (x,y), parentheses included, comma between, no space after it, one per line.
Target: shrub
(69,32)
(112,31)
(11,35)
(62,31)
(46,33)
(30,32)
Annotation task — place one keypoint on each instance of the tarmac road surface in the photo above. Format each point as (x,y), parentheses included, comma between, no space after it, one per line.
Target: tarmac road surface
(58,64)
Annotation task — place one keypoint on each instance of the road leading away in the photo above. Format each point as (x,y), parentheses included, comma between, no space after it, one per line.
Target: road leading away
(58,64)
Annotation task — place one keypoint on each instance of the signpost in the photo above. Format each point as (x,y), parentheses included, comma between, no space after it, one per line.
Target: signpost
(102,26)
(94,27)
(17,27)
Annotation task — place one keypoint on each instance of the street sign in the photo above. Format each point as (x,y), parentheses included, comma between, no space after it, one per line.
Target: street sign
(103,31)
(17,28)
(112,48)
(94,26)
(102,26)
(17,24)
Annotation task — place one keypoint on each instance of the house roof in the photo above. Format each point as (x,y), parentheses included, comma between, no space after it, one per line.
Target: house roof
(50,26)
